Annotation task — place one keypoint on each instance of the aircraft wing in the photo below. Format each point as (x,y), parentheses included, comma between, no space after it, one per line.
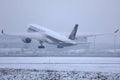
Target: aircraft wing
(94,35)
(84,38)
(101,34)
(20,35)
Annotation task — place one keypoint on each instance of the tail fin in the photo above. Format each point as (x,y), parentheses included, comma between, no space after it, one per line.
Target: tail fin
(73,33)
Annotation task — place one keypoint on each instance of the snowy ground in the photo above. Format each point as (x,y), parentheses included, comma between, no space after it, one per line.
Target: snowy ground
(92,64)
(18,52)
(35,74)
(59,68)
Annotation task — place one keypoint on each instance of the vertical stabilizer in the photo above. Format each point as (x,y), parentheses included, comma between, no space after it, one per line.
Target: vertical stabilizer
(73,33)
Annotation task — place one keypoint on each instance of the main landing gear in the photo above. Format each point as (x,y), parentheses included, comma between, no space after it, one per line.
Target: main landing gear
(41,46)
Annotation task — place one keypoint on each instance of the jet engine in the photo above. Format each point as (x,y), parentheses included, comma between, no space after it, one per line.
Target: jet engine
(27,40)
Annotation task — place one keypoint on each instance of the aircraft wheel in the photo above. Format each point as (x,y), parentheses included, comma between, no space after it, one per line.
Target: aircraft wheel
(41,47)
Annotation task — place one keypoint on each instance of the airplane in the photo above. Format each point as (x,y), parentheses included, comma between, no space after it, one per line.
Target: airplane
(44,35)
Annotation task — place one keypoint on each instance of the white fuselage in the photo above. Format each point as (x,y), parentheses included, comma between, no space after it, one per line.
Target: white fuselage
(46,35)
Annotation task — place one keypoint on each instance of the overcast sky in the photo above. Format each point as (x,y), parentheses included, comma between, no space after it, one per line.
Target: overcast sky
(60,15)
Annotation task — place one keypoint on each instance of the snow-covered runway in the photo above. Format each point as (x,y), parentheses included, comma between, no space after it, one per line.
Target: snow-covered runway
(94,64)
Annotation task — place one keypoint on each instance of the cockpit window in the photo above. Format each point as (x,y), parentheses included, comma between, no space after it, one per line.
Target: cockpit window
(34,29)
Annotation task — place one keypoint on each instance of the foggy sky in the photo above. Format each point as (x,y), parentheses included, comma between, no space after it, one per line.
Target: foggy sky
(60,15)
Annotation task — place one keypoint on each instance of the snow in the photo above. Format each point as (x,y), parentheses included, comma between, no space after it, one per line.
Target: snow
(72,63)
(13,52)
(73,60)
(93,64)
(34,74)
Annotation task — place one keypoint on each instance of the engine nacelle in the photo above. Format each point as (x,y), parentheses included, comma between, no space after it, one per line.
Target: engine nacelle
(27,40)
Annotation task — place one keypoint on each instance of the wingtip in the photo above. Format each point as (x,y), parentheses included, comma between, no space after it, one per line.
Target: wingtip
(116,31)
(2,31)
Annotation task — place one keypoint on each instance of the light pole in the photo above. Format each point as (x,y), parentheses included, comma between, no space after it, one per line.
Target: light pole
(94,42)
(115,43)
(115,39)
